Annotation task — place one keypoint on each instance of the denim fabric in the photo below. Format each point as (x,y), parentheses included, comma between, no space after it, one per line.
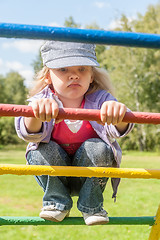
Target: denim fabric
(58,190)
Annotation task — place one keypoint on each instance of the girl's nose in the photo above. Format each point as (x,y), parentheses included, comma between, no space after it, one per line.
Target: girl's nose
(74,75)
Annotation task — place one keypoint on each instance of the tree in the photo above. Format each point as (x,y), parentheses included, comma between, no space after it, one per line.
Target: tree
(136,75)
(2,88)
(69,22)
(37,63)
(13,91)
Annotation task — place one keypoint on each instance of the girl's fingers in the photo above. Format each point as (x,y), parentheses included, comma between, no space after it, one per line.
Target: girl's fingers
(45,109)
(35,108)
(122,112)
(112,112)
(115,117)
(107,112)
(42,111)
(48,112)
(55,109)
(103,113)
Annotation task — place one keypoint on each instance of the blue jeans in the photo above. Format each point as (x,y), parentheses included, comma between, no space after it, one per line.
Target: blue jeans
(58,190)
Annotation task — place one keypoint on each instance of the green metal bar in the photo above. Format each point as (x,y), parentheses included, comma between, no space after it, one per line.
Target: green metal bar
(75,221)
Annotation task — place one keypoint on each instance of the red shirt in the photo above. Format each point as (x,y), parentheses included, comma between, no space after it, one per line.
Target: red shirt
(70,141)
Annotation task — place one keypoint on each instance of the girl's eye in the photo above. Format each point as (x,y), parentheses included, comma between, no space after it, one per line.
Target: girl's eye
(82,69)
(63,69)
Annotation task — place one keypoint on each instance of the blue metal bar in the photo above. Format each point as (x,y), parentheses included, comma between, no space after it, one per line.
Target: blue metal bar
(129,39)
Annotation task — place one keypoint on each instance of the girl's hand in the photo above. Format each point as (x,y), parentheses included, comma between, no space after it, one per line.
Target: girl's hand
(113,112)
(45,109)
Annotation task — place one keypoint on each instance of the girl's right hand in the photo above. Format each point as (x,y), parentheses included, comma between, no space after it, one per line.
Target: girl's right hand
(45,109)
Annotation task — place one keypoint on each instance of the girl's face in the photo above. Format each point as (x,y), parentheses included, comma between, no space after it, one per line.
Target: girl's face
(71,83)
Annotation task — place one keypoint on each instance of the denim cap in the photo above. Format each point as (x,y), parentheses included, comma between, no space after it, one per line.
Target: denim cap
(56,54)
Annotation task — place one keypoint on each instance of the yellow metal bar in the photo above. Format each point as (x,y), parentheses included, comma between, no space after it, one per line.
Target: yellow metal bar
(155,230)
(79,171)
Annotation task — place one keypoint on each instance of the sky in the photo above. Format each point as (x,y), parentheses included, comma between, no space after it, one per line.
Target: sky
(19,54)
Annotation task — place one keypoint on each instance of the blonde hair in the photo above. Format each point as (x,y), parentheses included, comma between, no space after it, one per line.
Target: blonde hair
(101,80)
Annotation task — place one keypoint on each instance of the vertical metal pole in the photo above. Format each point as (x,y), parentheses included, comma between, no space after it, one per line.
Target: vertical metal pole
(155,230)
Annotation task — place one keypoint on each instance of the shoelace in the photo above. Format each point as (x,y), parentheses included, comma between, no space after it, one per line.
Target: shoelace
(49,208)
(102,213)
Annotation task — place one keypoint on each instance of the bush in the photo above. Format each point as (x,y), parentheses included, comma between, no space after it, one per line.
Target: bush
(147,140)
(7,131)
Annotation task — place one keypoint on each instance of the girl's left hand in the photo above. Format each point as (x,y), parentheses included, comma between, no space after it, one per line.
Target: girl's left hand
(112,112)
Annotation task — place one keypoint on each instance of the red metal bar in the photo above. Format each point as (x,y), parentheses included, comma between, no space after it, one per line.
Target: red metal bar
(11,110)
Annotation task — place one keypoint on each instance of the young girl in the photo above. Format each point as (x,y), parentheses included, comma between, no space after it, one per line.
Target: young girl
(70,78)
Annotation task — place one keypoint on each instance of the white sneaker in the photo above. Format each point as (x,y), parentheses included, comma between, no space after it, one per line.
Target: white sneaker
(96,219)
(52,214)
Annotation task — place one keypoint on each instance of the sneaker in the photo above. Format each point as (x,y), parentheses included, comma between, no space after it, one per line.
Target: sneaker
(52,214)
(96,219)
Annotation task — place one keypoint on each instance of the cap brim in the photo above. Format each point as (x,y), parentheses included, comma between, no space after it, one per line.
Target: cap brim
(72,61)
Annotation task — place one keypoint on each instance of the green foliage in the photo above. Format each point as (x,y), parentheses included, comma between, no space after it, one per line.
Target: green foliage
(7,131)
(37,63)
(69,22)
(13,91)
(136,75)
(2,88)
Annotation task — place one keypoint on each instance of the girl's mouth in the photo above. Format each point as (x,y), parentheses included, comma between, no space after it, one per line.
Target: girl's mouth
(74,85)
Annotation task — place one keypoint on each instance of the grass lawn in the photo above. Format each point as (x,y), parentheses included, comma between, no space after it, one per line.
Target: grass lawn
(21,196)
